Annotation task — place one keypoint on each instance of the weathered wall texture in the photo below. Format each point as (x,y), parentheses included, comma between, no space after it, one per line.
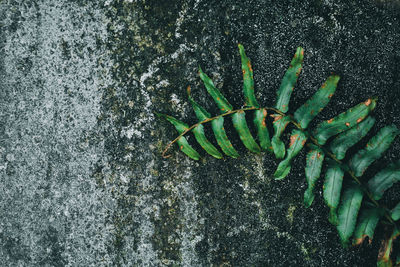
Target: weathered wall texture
(82,180)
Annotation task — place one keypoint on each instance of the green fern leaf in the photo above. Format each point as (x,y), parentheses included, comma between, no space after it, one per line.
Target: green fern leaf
(386,249)
(204,143)
(343,121)
(279,124)
(297,141)
(251,101)
(332,188)
(239,122)
(376,146)
(384,180)
(248,81)
(349,138)
(289,80)
(182,142)
(348,211)
(239,119)
(218,97)
(395,212)
(314,160)
(201,138)
(317,102)
(217,127)
(366,224)
(262,130)
(222,139)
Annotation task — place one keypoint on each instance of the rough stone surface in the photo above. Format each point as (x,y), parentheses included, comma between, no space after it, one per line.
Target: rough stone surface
(82,180)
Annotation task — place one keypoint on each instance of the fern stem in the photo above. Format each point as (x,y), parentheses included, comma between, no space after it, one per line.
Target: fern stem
(312,138)
(214,118)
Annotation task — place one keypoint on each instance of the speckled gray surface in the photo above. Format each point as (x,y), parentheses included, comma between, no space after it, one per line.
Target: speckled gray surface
(82,180)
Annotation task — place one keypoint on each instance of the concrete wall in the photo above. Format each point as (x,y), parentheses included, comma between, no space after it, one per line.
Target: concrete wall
(82,180)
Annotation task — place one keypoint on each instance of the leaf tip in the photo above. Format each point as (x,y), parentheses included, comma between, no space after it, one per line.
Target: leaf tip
(308,198)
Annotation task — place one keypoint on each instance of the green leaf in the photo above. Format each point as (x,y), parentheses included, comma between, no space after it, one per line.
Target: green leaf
(248,81)
(201,138)
(200,112)
(376,146)
(348,211)
(297,141)
(251,101)
(222,139)
(262,130)
(317,102)
(366,224)
(218,129)
(332,188)
(384,180)
(395,212)
(343,121)
(239,119)
(239,122)
(182,142)
(187,149)
(279,124)
(289,80)
(349,138)
(221,101)
(198,131)
(386,249)
(314,160)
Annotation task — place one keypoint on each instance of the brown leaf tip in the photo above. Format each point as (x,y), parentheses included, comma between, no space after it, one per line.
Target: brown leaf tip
(293,139)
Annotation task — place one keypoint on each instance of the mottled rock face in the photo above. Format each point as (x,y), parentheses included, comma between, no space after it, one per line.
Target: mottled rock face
(83,182)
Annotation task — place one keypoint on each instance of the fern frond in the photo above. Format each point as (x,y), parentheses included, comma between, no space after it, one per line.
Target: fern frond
(344,199)
(366,225)
(374,149)
(218,97)
(314,160)
(349,138)
(240,124)
(307,112)
(248,81)
(348,211)
(260,122)
(384,180)
(332,189)
(297,141)
(344,121)
(279,124)
(289,80)
(251,101)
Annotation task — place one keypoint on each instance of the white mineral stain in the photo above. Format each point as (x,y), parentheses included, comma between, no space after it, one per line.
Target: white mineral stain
(60,214)
(192,231)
